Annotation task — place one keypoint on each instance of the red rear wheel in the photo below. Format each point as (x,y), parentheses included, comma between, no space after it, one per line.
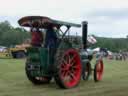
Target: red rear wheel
(98,70)
(69,69)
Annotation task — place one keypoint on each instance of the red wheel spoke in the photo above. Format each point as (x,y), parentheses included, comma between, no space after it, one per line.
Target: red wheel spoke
(63,73)
(72,63)
(62,65)
(72,76)
(66,74)
(75,67)
(64,61)
(67,57)
(72,59)
(63,69)
(67,78)
(72,71)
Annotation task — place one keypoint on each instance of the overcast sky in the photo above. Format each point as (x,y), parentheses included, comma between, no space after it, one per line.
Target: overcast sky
(108,18)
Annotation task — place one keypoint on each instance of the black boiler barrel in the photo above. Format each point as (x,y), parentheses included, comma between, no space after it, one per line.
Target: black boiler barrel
(84,33)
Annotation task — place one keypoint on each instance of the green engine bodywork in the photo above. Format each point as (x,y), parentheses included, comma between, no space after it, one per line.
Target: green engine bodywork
(39,61)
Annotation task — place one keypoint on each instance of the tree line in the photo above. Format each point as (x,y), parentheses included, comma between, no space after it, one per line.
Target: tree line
(13,36)
(113,44)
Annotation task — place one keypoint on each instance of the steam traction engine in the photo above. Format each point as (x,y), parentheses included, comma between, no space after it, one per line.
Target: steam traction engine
(55,56)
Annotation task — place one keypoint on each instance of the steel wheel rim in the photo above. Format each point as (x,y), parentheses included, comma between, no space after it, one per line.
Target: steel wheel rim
(99,70)
(70,68)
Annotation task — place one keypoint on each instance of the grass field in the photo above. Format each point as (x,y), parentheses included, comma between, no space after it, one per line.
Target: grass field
(13,82)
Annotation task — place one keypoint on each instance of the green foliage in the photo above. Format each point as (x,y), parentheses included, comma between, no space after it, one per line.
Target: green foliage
(113,44)
(10,35)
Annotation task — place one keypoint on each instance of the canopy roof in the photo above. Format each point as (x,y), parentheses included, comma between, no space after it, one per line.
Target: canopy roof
(43,22)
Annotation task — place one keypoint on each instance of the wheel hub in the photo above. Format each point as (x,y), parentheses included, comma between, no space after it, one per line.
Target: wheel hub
(68,67)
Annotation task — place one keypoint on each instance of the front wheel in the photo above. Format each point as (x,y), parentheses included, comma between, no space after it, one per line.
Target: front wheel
(98,70)
(68,68)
